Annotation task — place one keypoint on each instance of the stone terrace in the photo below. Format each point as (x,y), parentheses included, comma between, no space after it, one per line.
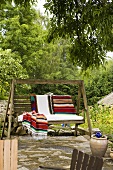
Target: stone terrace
(53,151)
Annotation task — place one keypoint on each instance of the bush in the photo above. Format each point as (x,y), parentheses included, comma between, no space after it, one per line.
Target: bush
(101,117)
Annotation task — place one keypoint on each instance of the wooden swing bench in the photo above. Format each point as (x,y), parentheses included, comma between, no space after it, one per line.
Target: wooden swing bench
(20,103)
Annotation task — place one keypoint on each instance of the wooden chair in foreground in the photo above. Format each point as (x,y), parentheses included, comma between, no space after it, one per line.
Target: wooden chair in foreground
(81,161)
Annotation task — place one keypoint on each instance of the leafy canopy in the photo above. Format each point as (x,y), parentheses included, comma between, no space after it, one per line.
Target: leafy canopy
(88,24)
(18,2)
(24,49)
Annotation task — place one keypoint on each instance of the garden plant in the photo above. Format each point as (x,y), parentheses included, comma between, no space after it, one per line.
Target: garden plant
(101,117)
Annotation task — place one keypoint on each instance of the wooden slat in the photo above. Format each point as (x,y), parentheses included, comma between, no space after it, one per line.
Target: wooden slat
(85,162)
(21,96)
(22,105)
(91,163)
(36,81)
(74,159)
(22,101)
(100,164)
(80,159)
(14,146)
(1,154)
(7,155)
(22,108)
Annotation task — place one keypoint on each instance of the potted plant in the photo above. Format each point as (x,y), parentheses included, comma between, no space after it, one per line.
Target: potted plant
(98,144)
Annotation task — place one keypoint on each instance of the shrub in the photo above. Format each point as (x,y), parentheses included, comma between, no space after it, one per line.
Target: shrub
(101,117)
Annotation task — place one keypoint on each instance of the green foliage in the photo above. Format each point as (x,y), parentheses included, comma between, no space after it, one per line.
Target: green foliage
(54,63)
(27,3)
(89,26)
(98,83)
(102,118)
(24,31)
(25,52)
(10,68)
(59,89)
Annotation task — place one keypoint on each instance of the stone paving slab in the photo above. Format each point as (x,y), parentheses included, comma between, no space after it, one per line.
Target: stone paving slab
(54,151)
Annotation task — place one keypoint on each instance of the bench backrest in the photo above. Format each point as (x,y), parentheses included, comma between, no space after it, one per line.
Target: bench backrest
(84,161)
(21,103)
(62,104)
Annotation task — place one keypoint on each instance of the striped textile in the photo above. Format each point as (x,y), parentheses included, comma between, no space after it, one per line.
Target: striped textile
(36,123)
(33,103)
(63,104)
(27,120)
(39,126)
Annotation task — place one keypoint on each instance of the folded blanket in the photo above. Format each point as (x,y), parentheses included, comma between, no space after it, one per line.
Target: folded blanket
(35,122)
(27,119)
(63,104)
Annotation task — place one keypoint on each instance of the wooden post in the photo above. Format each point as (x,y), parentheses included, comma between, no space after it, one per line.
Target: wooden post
(78,107)
(6,114)
(86,108)
(10,111)
(78,99)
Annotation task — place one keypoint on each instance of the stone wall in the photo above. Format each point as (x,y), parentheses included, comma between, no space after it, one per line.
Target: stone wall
(3,106)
